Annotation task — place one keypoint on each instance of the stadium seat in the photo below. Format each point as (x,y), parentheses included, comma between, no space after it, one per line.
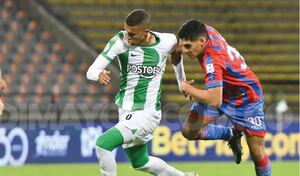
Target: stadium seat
(43,65)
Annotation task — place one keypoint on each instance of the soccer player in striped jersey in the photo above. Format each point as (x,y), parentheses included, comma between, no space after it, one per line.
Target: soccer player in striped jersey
(231,89)
(142,56)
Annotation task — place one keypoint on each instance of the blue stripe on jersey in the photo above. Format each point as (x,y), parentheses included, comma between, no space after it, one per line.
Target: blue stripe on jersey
(210,77)
(215,84)
(208,60)
(210,28)
(216,47)
(213,37)
(242,78)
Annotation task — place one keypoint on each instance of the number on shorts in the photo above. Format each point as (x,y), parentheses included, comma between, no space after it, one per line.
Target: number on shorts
(128,117)
(255,121)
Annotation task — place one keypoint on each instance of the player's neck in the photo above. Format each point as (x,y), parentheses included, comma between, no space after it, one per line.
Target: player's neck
(149,39)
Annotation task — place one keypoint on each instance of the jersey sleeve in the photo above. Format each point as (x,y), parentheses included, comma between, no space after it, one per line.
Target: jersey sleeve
(214,68)
(114,47)
(173,42)
(169,42)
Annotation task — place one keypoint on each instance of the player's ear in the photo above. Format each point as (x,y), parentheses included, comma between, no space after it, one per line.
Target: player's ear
(147,31)
(202,41)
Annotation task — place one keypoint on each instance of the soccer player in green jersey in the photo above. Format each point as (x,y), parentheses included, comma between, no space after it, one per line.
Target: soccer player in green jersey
(142,55)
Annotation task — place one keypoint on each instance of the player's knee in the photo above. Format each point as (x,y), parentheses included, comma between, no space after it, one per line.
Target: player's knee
(192,131)
(257,153)
(256,147)
(143,168)
(137,164)
(137,155)
(190,135)
(110,140)
(101,142)
(104,144)
(138,161)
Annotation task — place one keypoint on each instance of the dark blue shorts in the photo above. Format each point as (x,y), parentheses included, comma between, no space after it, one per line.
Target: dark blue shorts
(249,118)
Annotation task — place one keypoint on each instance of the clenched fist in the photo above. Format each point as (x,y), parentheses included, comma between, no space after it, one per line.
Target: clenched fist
(185,86)
(104,77)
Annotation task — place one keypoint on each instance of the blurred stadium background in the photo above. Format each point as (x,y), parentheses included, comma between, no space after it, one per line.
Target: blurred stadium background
(53,114)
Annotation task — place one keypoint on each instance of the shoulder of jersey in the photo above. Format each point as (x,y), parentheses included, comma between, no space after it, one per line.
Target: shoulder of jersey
(118,36)
(165,35)
(166,39)
(120,39)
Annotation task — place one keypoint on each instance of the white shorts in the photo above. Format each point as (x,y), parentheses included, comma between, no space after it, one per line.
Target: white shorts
(137,127)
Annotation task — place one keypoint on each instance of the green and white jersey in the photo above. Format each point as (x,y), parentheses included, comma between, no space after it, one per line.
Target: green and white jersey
(142,68)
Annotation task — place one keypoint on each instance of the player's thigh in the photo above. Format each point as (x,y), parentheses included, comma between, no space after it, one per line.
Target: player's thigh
(110,140)
(200,115)
(137,127)
(256,146)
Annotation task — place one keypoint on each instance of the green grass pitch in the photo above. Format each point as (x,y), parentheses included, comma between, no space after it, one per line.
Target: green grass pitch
(202,168)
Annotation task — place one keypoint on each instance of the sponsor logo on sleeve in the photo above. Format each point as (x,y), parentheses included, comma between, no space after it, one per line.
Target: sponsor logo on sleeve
(210,68)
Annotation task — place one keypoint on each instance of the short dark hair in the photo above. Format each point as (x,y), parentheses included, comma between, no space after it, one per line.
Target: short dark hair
(192,29)
(138,17)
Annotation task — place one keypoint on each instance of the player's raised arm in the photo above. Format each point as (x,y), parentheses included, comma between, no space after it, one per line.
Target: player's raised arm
(96,71)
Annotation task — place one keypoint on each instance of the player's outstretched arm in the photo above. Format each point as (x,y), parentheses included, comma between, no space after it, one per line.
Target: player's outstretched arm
(177,63)
(97,72)
(211,97)
(176,55)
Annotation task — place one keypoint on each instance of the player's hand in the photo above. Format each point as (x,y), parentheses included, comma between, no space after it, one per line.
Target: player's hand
(187,96)
(185,86)
(3,84)
(104,77)
(1,107)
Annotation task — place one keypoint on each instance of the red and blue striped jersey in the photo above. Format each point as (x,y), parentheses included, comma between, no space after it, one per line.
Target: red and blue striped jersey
(224,66)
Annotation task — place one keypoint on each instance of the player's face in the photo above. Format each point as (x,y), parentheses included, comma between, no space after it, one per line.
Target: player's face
(193,48)
(135,35)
